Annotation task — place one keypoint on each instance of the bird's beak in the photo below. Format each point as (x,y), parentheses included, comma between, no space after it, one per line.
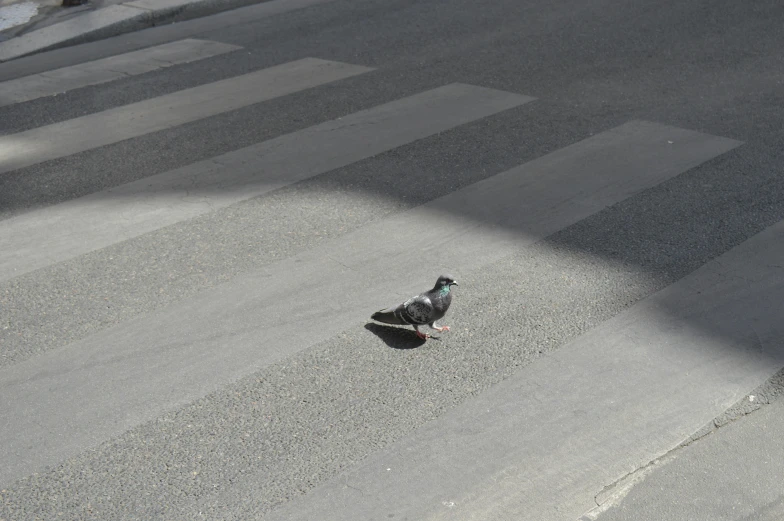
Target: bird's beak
(454,283)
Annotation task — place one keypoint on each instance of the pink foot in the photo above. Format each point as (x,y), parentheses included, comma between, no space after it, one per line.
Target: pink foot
(442,328)
(423,336)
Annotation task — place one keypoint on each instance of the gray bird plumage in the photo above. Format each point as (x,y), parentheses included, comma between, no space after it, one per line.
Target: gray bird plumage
(423,309)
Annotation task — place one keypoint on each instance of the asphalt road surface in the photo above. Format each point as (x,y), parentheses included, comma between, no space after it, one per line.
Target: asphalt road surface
(197,221)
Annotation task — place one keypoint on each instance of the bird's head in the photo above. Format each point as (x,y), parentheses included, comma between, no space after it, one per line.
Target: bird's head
(445,281)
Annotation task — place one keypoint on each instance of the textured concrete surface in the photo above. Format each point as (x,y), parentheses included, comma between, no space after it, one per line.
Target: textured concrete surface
(732,474)
(276,319)
(58,26)
(259,442)
(20,16)
(549,439)
(113,19)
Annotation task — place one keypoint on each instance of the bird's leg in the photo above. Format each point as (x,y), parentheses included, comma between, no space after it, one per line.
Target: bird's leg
(439,328)
(423,336)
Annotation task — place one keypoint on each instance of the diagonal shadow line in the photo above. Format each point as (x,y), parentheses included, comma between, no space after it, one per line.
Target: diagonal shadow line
(662,250)
(396,337)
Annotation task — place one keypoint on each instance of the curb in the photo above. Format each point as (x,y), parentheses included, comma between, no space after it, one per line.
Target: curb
(112,21)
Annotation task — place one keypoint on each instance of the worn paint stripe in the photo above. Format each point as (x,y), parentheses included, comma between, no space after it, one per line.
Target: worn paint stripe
(137,119)
(69,229)
(58,81)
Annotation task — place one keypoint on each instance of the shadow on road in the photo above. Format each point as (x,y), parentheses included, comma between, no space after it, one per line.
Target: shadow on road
(396,337)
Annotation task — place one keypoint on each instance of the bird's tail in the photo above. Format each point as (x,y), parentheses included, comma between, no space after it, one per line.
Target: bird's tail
(387,316)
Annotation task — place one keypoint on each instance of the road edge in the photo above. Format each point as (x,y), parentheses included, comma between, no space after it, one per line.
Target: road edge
(113,21)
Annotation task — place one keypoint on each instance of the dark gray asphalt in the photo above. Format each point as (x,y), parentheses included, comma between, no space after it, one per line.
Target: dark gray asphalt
(710,66)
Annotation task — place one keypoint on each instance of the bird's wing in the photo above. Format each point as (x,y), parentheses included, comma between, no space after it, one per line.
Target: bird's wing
(417,310)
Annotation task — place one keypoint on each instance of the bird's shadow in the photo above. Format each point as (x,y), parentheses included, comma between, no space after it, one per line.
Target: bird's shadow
(396,337)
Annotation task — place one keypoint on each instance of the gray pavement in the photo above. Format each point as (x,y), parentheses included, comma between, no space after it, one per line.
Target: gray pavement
(55,26)
(548,439)
(734,473)
(342,270)
(185,298)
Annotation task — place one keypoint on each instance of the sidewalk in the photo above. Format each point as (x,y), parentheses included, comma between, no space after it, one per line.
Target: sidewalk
(32,26)
(734,473)
(19,17)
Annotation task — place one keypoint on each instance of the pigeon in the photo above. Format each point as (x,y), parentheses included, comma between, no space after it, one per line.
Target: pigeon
(422,309)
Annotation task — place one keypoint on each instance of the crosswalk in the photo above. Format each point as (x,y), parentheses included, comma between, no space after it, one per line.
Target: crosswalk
(105,70)
(155,202)
(114,125)
(79,389)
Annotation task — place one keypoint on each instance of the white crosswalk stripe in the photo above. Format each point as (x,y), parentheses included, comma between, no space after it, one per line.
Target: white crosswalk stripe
(556,433)
(54,234)
(593,174)
(66,402)
(137,119)
(65,79)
